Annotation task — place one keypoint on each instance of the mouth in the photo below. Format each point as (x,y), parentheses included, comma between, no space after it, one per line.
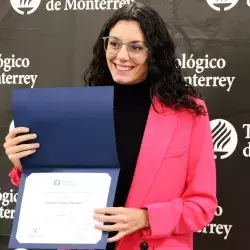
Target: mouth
(123,67)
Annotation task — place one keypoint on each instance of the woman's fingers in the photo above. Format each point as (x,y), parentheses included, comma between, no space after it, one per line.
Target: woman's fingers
(18,156)
(22,147)
(13,133)
(15,147)
(19,139)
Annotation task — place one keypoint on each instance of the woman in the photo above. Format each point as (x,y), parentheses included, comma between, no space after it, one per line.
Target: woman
(167,184)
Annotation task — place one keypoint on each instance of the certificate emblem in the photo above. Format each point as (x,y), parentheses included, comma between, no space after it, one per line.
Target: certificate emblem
(57,182)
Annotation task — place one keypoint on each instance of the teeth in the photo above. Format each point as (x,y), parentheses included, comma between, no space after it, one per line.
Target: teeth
(123,68)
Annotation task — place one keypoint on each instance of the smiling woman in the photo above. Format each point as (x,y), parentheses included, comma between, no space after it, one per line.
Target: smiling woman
(166,189)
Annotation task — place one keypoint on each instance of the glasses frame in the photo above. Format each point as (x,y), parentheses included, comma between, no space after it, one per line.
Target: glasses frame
(122,43)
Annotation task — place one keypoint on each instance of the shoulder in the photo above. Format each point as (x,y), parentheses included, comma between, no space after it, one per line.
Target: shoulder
(185,119)
(200,102)
(165,110)
(194,118)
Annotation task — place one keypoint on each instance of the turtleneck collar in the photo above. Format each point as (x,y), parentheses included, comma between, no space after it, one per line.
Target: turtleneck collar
(141,85)
(132,93)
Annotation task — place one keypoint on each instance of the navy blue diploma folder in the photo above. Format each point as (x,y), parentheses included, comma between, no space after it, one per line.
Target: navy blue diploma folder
(75,128)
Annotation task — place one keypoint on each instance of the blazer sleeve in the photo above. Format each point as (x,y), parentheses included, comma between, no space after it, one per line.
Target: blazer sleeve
(195,209)
(15,176)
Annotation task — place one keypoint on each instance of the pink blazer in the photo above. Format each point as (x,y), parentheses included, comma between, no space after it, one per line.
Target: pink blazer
(175,179)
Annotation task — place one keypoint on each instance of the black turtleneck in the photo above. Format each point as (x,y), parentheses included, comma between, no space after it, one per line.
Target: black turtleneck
(131,106)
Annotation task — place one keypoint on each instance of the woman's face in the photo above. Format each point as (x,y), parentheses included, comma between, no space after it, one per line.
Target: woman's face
(128,65)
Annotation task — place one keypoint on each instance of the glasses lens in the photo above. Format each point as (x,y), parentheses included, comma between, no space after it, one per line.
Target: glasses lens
(137,50)
(112,45)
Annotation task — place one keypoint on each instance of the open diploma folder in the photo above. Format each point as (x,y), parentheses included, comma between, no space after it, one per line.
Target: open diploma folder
(74,171)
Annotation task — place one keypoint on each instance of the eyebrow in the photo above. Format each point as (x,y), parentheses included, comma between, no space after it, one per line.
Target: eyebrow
(135,41)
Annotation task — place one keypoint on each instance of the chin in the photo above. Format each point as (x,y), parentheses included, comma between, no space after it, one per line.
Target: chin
(122,80)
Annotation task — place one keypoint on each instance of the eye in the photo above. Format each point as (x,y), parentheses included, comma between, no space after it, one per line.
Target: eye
(136,47)
(114,44)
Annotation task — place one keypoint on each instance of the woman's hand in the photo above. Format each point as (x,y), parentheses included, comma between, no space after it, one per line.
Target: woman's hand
(14,148)
(126,220)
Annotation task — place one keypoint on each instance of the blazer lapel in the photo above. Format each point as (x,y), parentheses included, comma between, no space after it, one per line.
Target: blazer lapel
(158,133)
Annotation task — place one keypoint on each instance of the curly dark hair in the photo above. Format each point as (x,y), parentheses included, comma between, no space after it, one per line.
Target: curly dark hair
(164,73)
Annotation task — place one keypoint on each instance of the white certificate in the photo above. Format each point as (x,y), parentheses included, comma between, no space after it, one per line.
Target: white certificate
(58,208)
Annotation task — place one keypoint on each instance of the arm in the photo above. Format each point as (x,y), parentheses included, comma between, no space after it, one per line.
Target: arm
(15,150)
(195,209)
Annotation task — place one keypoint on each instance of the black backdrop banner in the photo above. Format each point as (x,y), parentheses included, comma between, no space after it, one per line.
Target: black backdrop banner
(48,43)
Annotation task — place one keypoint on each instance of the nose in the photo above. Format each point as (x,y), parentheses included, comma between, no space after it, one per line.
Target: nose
(123,54)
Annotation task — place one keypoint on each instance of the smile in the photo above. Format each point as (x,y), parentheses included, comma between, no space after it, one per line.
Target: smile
(123,68)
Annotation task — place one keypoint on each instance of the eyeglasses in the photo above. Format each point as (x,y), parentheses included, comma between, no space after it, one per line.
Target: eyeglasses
(112,45)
